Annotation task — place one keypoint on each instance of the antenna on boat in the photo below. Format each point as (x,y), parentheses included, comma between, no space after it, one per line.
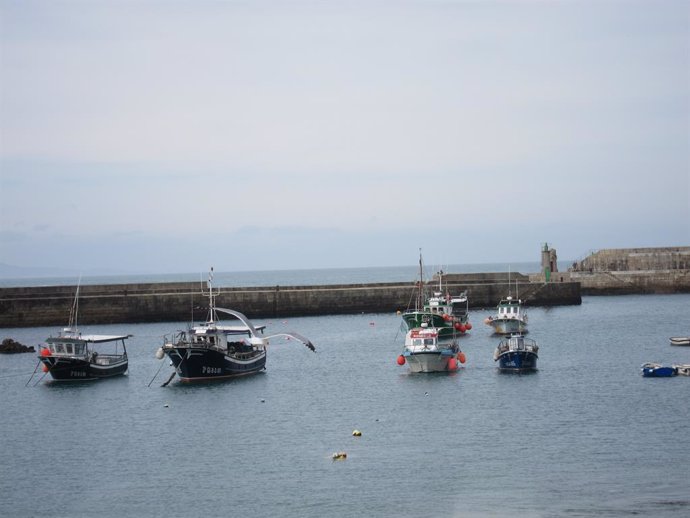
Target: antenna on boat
(211,298)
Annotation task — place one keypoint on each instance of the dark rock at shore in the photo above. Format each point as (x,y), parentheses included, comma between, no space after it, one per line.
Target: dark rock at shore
(9,346)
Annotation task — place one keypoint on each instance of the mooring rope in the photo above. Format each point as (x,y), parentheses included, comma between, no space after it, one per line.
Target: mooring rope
(33,373)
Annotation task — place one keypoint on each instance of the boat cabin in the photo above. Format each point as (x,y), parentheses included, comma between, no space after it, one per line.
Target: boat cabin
(422,338)
(509,308)
(67,348)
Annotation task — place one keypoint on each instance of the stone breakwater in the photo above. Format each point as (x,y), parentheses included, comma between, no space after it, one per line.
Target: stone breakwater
(184,301)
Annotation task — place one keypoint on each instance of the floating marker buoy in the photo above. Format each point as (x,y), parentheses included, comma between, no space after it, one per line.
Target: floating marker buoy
(357,433)
(339,455)
(461,357)
(159,353)
(372,323)
(263,400)
(166,405)
(401,360)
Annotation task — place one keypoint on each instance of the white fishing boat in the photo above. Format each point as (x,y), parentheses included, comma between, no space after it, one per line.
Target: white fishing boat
(680,340)
(510,317)
(423,352)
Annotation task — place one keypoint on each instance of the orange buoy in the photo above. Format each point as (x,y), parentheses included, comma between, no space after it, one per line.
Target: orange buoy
(452,364)
(401,360)
(461,357)
(45,352)
(45,368)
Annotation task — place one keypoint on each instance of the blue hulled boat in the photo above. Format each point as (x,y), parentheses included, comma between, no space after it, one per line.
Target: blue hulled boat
(517,353)
(656,370)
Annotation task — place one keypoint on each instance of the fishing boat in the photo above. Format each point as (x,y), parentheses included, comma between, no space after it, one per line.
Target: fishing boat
(214,350)
(424,352)
(510,317)
(680,340)
(447,313)
(656,370)
(517,353)
(74,356)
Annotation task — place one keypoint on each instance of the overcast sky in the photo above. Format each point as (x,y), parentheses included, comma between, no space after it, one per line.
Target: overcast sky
(168,136)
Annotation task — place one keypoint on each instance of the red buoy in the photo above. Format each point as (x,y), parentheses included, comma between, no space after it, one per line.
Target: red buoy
(401,360)
(446,317)
(462,328)
(457,326)
(452,364)
(45,368)
(461,357)
(468,326)
(45,352)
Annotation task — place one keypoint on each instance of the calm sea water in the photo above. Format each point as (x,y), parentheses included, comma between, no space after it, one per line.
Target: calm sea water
(586,435)
(282,277)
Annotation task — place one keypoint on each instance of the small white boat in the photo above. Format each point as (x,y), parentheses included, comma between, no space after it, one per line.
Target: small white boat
(683,369)
(510,317)
(424,353)
(680,340)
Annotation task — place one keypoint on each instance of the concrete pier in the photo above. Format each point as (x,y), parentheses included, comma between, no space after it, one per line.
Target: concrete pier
(180,302)
(619,271)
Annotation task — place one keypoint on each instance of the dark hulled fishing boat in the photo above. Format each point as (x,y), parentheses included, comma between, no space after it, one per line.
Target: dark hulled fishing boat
(213,350)
(73,356)
(449,314)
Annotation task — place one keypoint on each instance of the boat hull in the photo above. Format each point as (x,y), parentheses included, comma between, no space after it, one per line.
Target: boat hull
(77,369)
(658,372)
(680,340)
(517,361)
(507,326)
(428,361)
(199,364)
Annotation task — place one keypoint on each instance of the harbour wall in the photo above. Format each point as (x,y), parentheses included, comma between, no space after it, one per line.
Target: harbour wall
(180,302)
(618,271)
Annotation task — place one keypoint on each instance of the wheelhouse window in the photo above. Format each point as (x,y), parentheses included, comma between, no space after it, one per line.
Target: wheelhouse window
(78,349)
(59,348)
(69,349)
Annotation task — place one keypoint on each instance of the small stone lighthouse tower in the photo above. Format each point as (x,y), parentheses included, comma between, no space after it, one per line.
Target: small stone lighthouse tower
(549,261)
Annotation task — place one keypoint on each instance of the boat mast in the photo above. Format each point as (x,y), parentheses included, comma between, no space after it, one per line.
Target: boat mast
(420,293)
(211,298)
(74,311)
